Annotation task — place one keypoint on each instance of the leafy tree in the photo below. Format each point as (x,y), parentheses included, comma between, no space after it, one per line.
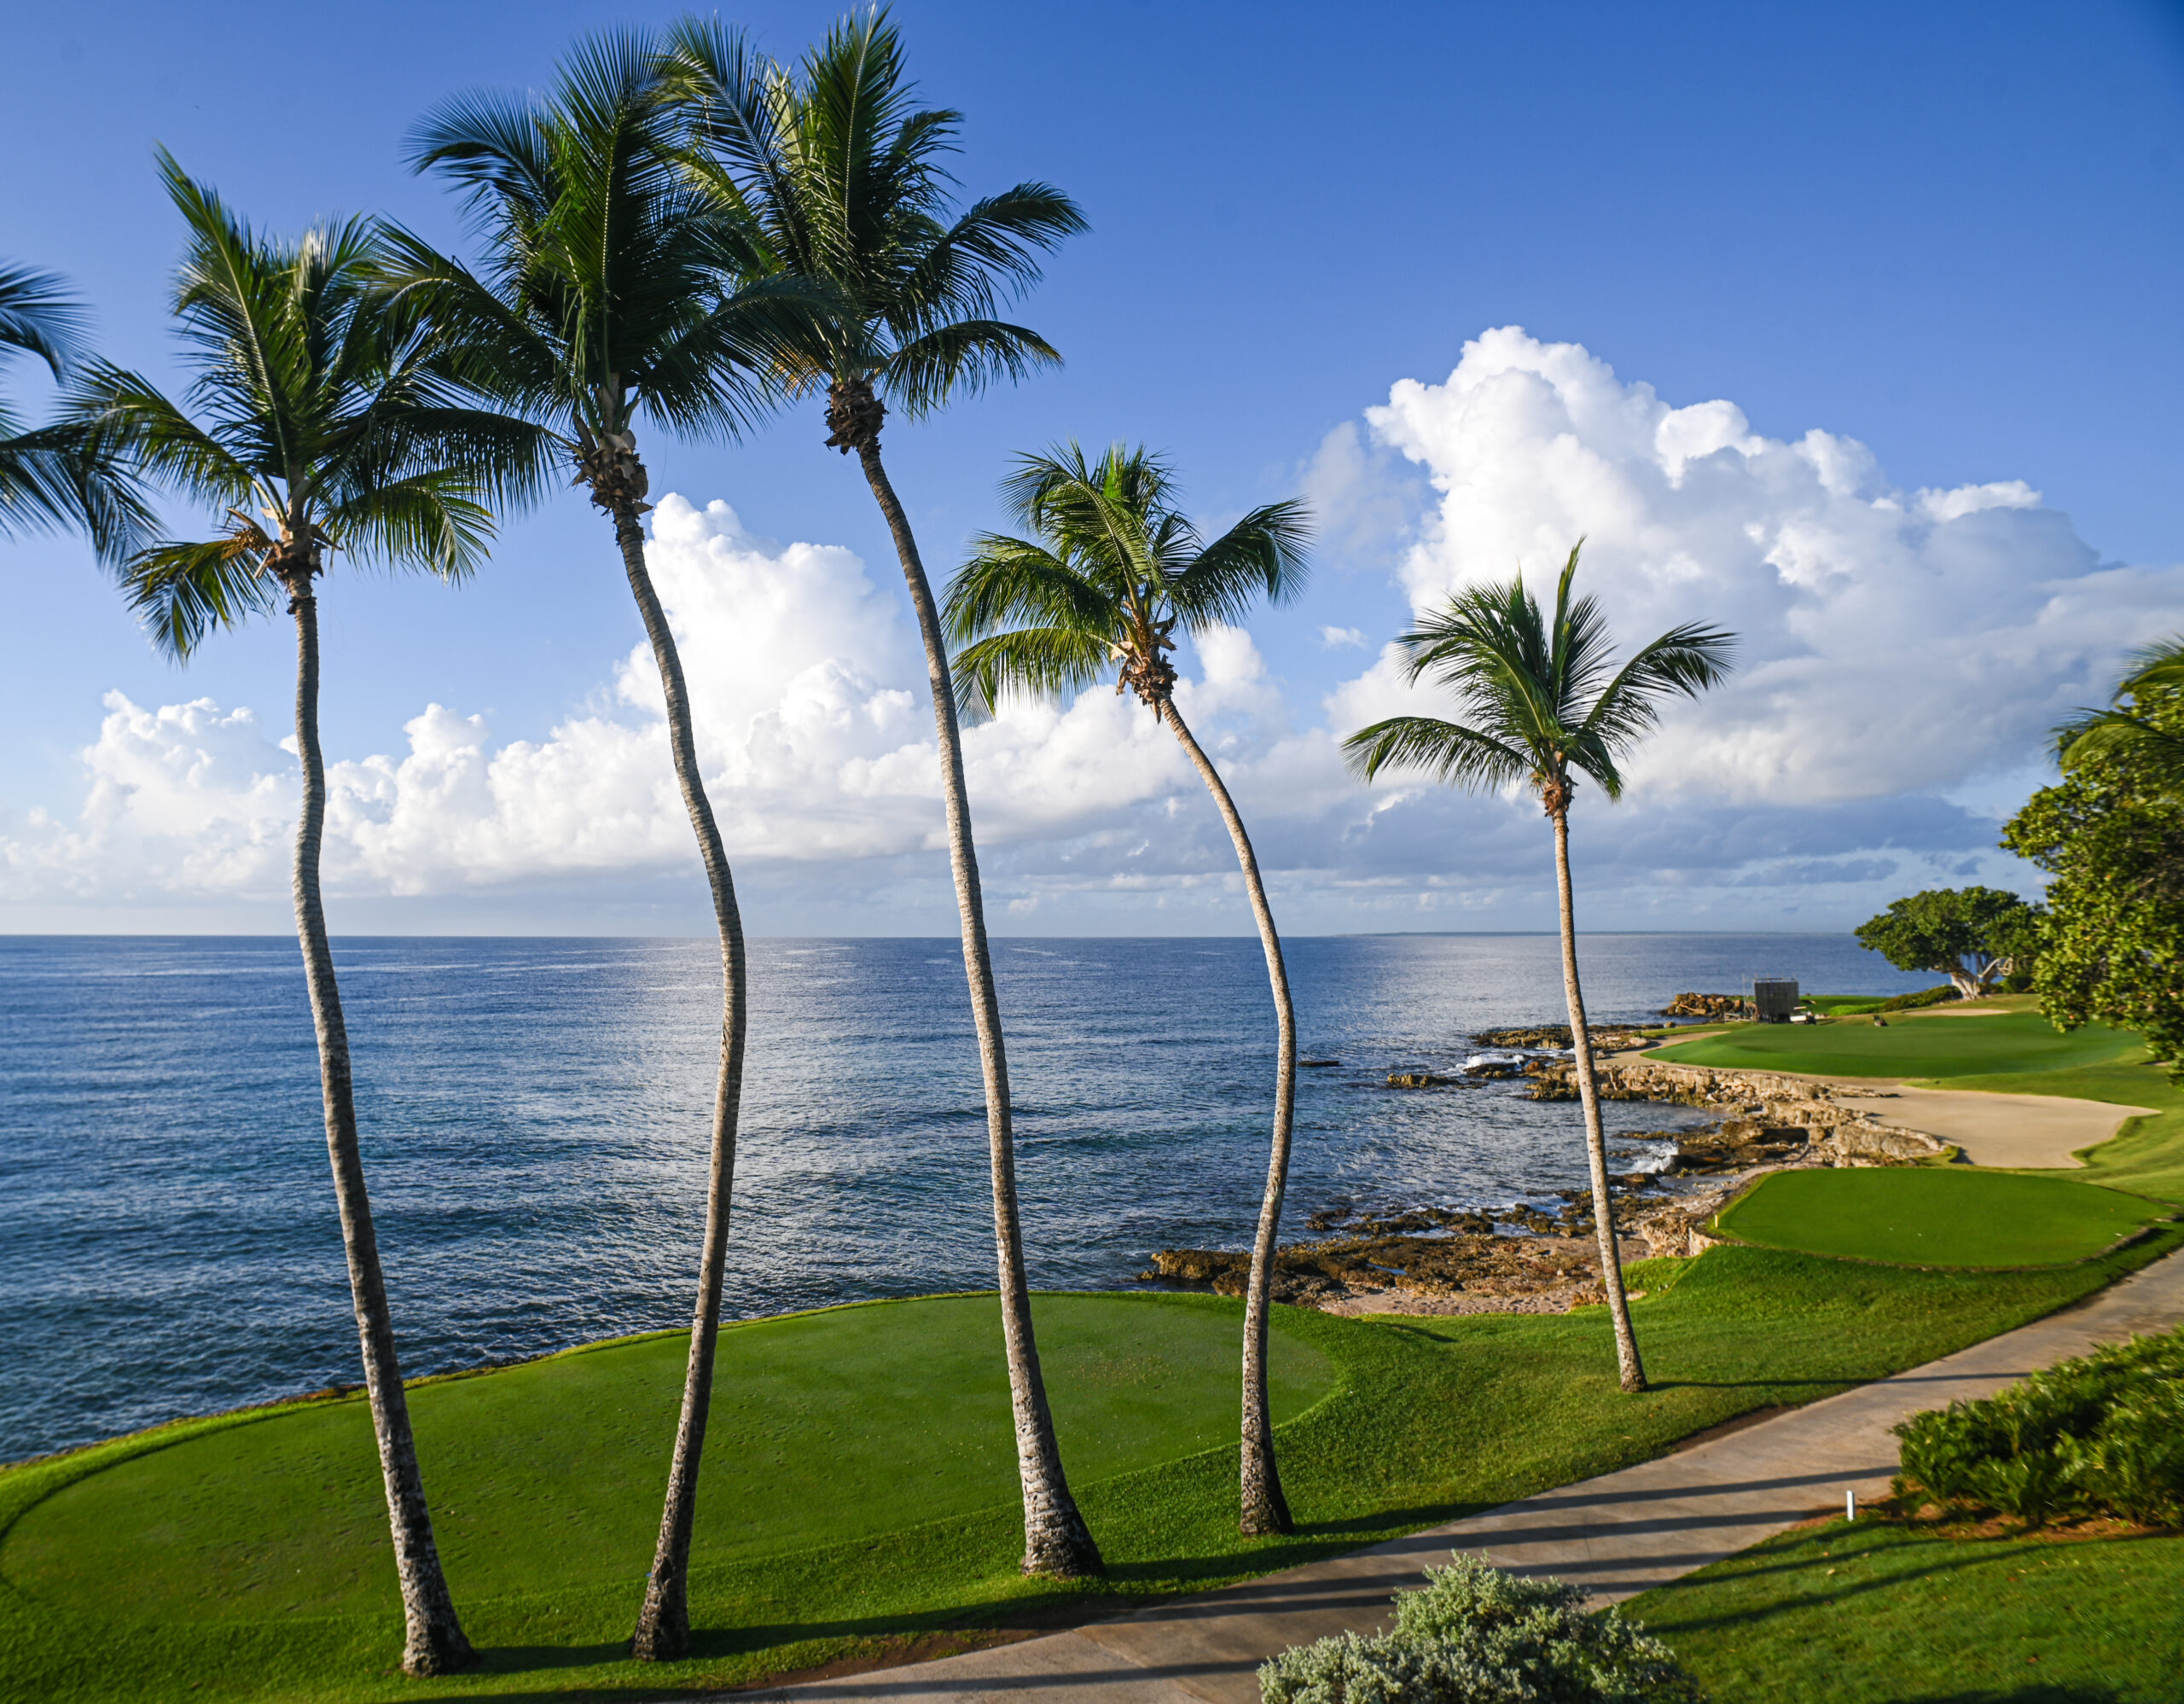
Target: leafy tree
(611,291)
(58,476)
(2111,836)
(1114,569)
(1974,936)
(1546,704)
(316,424)
(832,170)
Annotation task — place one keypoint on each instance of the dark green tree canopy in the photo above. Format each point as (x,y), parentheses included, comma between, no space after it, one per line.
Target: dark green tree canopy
(2111,836)
(1974,936)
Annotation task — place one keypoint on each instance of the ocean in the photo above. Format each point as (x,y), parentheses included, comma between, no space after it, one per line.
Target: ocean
(534,1116)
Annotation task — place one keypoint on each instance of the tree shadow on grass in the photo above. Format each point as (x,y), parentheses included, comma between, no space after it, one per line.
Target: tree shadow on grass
(1834,1594)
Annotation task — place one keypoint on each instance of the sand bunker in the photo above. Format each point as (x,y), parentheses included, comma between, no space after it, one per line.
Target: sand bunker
(1992,1129)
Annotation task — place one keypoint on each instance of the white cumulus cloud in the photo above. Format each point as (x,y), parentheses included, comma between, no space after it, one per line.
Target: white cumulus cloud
(1891,641)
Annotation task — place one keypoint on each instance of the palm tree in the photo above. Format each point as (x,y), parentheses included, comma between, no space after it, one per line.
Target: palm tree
(317,424)
(56,477)
(1116,568)
(832,170)
(609,293)
(1546,704)
(2125,729)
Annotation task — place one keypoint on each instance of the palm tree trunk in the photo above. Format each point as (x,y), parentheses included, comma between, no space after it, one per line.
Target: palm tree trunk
(1264,1509)
(433,1641)
(1056,1540)
(663,1630)
(1626,1341)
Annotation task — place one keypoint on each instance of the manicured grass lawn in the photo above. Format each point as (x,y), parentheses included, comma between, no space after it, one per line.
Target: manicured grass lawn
(829,1428)
(1936,1218)
(1914,1046)
(1880,1614)
(860,1485)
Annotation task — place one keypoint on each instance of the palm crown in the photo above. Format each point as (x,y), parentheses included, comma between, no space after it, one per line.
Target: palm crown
(316,422)
(831,170)
(1114,569)
(1543,697)
(613,285)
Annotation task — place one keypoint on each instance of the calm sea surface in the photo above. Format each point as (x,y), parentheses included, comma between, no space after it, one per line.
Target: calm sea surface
(534,1111)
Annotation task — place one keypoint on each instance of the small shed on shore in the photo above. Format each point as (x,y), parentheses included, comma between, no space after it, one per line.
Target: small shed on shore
(1773,999)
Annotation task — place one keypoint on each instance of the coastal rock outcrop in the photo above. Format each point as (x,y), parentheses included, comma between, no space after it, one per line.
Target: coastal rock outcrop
(1706,1006)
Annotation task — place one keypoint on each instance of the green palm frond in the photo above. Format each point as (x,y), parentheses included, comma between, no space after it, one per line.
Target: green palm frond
(1040,662)
(1115,567)
(183,592)
(38,317)
(1447,751)
(830,172)
(321,415)
(1262,555)
(618,281)
(1542,697)
(2124,732)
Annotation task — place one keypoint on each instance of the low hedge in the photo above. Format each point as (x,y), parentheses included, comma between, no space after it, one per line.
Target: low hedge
(2103,1434)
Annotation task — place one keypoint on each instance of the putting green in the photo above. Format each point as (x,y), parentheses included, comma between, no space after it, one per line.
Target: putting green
(1909,1047)
(825,1428)
(1920,1216)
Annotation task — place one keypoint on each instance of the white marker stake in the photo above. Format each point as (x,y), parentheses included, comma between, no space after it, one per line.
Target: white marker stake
(1850,1505)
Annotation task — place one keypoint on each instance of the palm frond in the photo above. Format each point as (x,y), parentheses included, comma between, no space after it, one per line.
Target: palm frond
(182,592)
(1038,662)
(38,317)
(1467,757)
(1262,555)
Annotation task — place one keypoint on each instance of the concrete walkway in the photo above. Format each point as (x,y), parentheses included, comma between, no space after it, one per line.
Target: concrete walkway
(1618,1535)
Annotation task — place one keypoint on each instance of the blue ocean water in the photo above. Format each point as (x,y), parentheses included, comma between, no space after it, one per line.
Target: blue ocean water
(534,1117)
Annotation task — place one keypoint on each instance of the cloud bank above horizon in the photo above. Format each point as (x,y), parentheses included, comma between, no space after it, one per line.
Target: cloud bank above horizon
(1901,651)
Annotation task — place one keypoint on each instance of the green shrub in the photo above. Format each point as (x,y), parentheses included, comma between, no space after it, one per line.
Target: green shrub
(1474,1635)
(2100,1434)
(1925,997)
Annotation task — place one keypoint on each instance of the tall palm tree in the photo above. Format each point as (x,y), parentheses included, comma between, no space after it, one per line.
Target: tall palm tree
(54,477)
(1115,569)
(2125,729)
(842,179)
(316,425)
(1546,704)
(609,293)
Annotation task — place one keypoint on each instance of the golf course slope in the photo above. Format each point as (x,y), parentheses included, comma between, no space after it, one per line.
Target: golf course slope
(860,1498)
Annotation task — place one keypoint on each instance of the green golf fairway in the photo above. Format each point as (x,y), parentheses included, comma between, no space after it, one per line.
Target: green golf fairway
(1918,1216)
(1909,1047)
(825,1428)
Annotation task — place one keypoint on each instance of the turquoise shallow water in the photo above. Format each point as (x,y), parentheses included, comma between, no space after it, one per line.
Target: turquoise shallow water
(535,1113)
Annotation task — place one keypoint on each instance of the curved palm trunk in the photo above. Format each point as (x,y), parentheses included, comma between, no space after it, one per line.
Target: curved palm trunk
(1264,1509)
(663,1631)
(1056,1540)
(433,1641)
(1626,1341)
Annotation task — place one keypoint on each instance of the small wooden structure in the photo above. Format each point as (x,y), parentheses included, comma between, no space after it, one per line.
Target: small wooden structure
(1773,999)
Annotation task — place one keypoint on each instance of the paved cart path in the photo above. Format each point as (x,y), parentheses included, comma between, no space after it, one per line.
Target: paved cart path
(1616,1535)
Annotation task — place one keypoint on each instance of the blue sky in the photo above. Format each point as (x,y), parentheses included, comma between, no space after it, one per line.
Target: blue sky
(1948,232)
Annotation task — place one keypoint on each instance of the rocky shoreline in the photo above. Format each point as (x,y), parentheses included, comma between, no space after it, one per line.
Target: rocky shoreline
(1523,1259)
